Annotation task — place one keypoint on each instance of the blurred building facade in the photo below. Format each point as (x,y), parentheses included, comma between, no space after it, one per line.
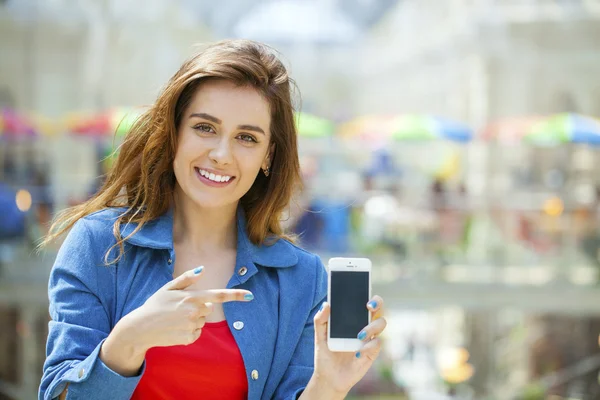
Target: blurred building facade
(91,55)
(472,60)
(480,61)
(483,59)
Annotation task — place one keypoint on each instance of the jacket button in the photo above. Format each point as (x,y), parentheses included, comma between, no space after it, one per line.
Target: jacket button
(81,372)
(254,375)
(238,325)
(243,271)
(170,261)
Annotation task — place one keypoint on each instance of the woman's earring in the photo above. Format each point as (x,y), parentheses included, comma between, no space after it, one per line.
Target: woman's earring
(266,171)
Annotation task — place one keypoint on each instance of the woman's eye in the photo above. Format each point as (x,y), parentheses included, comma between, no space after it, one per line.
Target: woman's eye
(204,128)
(248,138)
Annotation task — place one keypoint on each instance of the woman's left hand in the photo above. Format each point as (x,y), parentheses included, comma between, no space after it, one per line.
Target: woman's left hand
(340,371)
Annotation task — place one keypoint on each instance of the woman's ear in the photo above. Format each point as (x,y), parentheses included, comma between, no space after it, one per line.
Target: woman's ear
(271,152)
(269,159)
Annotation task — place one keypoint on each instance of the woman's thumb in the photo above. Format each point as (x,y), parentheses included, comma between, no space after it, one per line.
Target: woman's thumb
(321,320)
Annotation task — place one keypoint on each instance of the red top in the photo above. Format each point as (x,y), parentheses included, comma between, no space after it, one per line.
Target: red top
(210,368)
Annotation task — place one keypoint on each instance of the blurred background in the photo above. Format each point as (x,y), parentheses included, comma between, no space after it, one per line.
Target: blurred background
(453,142)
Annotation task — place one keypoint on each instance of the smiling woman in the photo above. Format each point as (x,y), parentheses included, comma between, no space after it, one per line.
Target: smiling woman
(145,164)
(176,281)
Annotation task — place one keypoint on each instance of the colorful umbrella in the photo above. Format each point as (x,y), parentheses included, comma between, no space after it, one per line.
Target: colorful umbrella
(426,127)
(313,127)
(366,127)
(46,126)
(14,125)
(564,128)
(509,130)
(413,127)
(103,124)
(93,125)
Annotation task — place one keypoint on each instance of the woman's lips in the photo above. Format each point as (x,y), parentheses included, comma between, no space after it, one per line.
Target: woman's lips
(212,182)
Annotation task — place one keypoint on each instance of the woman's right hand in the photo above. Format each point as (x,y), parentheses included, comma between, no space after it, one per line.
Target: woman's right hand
(174,315)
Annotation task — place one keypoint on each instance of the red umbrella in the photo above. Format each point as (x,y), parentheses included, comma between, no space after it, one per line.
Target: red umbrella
(106,123)
(90,125)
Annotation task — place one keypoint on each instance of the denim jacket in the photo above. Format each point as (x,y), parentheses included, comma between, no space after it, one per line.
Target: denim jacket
(87,299)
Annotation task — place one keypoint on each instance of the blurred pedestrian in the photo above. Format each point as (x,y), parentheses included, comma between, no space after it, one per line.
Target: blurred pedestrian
(201,179)
(12,219)
(13,224)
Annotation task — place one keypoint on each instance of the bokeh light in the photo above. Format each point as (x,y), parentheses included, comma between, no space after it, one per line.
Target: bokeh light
(554,207)
(23,200)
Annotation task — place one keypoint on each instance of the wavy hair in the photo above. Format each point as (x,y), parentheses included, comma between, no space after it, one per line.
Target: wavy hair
(142,178)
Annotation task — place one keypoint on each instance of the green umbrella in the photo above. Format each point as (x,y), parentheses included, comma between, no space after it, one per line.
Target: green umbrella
(564,128)
(313,127)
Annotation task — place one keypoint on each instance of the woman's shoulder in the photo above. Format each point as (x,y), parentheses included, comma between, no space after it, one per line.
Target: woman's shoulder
(98,226)
(107,215)
(307,276)
(99,220)
(86,244)
(300,252)
(306,259)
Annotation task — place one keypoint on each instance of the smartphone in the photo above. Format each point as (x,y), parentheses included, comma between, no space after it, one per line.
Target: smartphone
(348,292)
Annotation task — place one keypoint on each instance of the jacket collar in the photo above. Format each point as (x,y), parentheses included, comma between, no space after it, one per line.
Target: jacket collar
(158,234)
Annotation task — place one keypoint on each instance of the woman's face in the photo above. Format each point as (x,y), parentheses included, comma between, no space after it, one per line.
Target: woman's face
(223,142)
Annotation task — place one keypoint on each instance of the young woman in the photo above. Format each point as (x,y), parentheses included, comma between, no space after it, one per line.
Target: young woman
(176,280)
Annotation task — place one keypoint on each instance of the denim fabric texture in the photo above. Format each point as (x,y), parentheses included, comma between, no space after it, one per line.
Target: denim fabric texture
(87,298)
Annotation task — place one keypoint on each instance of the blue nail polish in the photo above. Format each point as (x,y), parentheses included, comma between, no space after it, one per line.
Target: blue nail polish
(198,270)
(322,305)
(362,335)
(373,304)
(358,354)
(248,296)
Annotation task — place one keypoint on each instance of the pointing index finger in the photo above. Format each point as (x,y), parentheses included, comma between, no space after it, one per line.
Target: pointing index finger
(224,295)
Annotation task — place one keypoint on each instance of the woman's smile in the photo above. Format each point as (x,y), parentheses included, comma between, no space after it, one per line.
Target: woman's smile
(213,178)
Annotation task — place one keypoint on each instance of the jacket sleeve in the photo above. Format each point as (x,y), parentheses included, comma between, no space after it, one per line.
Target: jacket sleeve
(301,366)
(80,323)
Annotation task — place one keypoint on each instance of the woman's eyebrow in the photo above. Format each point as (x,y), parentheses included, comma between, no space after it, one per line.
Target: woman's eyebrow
(218,121)
(251,128)
(206,116)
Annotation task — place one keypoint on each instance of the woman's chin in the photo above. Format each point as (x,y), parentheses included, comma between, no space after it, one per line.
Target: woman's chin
(212,201)
(208,197)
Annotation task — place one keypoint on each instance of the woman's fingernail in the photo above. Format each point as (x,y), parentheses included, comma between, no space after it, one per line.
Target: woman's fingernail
(198,270)
(373,304)
(322,305)
(248,296)
(362,335)
(358,354)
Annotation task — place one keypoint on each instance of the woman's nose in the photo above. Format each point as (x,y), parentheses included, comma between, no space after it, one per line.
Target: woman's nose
(221,153)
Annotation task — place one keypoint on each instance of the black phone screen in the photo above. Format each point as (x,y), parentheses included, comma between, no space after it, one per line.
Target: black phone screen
(349,297)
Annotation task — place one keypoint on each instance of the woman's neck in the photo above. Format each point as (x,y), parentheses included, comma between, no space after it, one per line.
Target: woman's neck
(204,228)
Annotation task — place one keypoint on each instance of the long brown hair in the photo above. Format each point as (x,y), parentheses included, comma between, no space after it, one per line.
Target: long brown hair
(142,178)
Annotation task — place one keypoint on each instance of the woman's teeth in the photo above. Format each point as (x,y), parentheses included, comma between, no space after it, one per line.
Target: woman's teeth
(213,177)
